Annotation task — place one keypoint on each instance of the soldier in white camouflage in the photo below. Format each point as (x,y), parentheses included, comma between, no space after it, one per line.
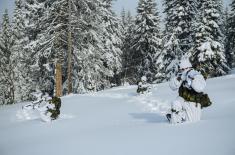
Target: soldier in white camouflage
(48,108)
(190,85)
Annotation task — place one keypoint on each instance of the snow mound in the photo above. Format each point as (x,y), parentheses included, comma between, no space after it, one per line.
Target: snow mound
(23,115)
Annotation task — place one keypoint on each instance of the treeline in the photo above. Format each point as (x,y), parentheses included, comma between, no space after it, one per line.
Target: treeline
(107,50)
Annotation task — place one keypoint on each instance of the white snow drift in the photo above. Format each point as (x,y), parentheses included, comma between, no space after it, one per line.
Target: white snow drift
(119,122)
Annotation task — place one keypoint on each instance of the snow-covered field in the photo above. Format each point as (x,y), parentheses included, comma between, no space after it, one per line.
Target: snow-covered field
(119,122)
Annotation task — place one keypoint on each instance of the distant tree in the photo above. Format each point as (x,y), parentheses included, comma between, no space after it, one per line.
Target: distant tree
(146,42)
(179,33)
(127,74)
(112,40)
(35,14)
(226,29)
(230,36)
(208,53)
(52,45)
(123,17)
(7,91)
(20,57)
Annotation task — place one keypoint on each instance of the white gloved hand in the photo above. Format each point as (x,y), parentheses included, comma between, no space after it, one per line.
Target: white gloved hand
(175,84)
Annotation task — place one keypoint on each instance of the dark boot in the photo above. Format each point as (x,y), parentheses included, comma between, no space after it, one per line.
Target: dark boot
(168,116)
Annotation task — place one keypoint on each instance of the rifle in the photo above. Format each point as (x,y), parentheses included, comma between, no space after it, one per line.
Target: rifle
(37,104)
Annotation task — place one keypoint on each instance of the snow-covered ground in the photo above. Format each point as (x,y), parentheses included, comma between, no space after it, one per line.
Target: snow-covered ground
(119,122)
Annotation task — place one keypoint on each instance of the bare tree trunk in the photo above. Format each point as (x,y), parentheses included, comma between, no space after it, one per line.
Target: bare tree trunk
(58,78)
(69,50)
(12,86)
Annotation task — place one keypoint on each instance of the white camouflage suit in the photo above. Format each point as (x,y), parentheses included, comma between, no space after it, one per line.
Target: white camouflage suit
(181,110)
(41,105)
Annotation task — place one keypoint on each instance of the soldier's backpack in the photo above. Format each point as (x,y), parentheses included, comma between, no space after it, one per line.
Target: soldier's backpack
(191,95)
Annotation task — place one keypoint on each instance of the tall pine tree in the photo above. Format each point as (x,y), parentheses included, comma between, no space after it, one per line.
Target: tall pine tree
(209,49)
(178,34)
(53,43)
(112,40)
(146,42)
(128,24)
(230,36)
(20,56)
(34,12)
(7,92)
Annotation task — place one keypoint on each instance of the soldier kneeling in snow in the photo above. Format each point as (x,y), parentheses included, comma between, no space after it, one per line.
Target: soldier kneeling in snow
(143,87)
(190,84)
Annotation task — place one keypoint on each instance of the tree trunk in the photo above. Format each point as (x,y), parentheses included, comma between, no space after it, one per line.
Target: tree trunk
(69,50)
(58,77)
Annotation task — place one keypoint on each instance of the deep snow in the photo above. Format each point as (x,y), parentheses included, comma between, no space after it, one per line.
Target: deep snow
(120,122)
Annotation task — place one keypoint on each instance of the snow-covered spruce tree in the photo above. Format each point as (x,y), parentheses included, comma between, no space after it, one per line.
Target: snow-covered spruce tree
(7,91)
(90,71)
(88,67)
(146,42)
(126,19)
(129,19)
(128,25)
(230,36)
(53,43)
(20,57)
(208,55)
(178,34)
(112,40)
(185,16)
(34,11)
(47,23)
(225,30)
(123,17)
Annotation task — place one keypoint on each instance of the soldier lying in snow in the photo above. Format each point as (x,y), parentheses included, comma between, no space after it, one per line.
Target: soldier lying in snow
(49,108)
